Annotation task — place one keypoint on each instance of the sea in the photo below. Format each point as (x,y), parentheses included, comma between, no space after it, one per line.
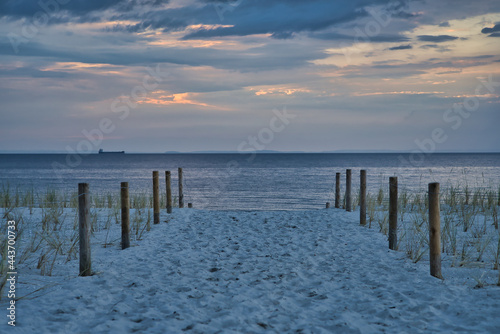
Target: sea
(245,181)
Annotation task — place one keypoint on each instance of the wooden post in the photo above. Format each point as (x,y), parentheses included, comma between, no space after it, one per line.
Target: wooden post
(84,229)
(393,213)
(327,205)
(169,191)
(125,215)
(337,190)
(348,190)
(362,197)
(434,231)
(156,197)
(181,194)
(190,205)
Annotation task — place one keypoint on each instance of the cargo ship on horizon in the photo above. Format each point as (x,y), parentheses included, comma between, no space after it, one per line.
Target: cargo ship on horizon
(101,151)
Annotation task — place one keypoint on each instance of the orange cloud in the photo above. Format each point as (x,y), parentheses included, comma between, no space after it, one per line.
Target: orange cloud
(77,66)
(163,98)
(280,91)
(405,92)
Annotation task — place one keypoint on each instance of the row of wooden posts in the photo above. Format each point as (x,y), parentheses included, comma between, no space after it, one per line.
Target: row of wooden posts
(434,214)
(84,214)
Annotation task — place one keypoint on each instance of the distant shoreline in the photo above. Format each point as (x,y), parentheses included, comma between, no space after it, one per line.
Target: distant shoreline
(250,152)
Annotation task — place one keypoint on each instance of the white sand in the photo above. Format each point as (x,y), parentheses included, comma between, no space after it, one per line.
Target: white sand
(254,272)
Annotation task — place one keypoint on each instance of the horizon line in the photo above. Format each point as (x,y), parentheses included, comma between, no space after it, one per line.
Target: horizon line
(264,152)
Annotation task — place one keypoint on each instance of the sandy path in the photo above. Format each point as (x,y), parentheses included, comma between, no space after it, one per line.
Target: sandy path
(245,272)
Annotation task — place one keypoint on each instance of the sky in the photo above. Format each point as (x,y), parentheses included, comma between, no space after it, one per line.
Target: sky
(243,75)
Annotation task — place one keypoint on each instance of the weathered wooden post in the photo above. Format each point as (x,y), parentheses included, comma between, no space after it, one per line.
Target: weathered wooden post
(434,231)
(181,194)
(337,190)
(348,190)
(156,197)
(362,197)
(169,191)
(393,213)
(125,215)
(84,229)
(327,205)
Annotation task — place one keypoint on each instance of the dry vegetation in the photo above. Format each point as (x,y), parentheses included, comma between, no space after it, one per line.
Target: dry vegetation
(47,224)
(469,225)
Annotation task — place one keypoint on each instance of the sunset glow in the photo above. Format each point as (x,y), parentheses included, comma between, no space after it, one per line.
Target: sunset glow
(225,66)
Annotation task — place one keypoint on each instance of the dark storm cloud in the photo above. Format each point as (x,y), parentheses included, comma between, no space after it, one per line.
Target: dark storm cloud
(449,72)
(387,70)
(267,57)
(384,73)
(455,62)
(444,24)
(284,18)
(280,18)
(436,39)
(480,57)
(438,48)
(495,28)
(436,12)
(45,92)
(31,72)
(405,15)
(401,47)
(28,8)
(493,31)
(378,38)
(165,23)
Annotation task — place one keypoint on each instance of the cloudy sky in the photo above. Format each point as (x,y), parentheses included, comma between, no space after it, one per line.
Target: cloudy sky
(288,75)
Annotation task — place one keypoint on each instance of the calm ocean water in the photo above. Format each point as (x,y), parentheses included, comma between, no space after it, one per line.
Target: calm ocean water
(231,181)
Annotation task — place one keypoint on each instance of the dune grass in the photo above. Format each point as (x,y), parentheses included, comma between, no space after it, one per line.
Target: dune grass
(47,223)
(470,236)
